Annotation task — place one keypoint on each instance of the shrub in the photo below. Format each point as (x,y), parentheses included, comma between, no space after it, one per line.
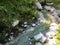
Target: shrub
(10,10)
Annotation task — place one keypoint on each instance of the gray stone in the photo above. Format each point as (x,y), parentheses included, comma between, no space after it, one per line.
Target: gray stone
(16,22)
(50,4)
(25,22)
(38,5)
(33,24)
(38,43)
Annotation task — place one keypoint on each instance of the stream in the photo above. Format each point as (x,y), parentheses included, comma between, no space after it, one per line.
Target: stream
(25,38)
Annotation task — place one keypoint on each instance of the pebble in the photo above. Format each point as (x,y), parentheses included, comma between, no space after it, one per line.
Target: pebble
(33,24)
(25,25)
(16,22)
(25,22)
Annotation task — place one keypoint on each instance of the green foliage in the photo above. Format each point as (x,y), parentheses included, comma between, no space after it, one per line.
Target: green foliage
(18,9)
(10,10)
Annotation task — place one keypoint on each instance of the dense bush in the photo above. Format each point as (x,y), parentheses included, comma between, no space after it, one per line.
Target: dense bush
(10,10)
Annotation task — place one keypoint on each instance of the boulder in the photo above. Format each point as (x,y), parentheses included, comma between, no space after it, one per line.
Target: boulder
(33,24)
(16,22)
(50,34)
(51,42)
(38,43)
(51,9)
(53,27)
(43,39)
(38,5)
(38,36)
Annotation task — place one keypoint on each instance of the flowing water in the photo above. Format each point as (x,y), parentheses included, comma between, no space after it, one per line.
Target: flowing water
(24,38)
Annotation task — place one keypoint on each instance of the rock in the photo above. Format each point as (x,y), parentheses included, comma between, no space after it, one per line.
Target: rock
(50,34)
(30,43)
(20,29)
(11,38)
(38,5)
(7,44)
(25,22)
(29,38)
(53,27)
(33,24)
(0,44)
(16,22)
(51,42)
(54,13)
(38,43)
(52,30)
(12,33)
(51,9)
(41,17)
(47,7)
(38,22)
(22,25)
(33,18)
(40,37)
(30,29)
(53,24)
(50,4)
(25,26)
(6,34)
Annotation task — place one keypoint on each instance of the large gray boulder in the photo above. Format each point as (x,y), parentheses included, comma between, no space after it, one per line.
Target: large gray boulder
(40,37)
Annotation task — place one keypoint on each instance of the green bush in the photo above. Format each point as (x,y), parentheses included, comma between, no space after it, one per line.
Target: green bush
(10,10)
